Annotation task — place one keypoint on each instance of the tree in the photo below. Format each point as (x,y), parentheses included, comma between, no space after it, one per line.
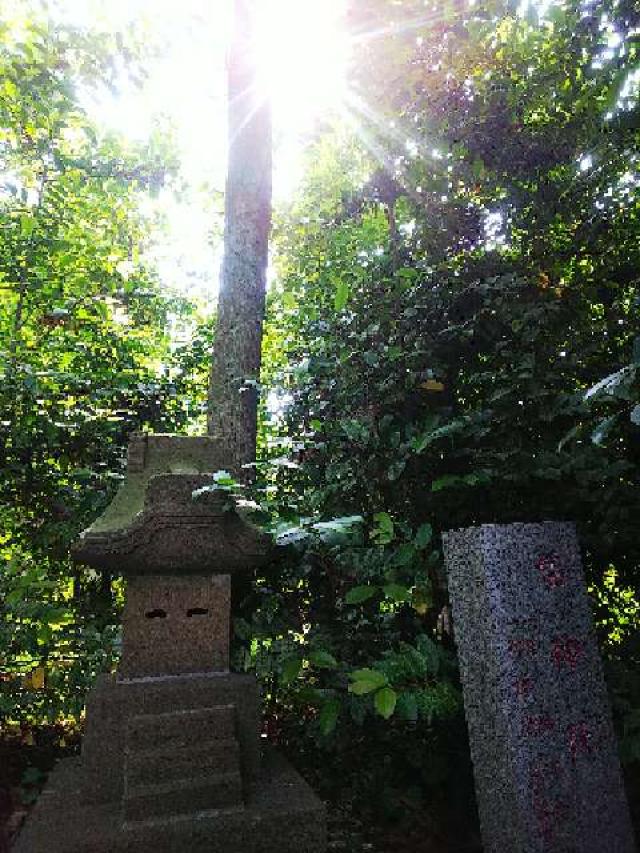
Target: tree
(235,372)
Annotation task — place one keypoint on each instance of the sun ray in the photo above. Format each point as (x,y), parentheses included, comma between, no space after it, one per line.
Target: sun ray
(256,97)
(392,130)
(392,165)
(374,147)
(395,28)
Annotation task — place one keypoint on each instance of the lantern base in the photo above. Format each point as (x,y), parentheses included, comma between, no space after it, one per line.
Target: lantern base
(282,814)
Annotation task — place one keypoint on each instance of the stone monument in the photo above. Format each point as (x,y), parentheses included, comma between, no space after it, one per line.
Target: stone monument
(545,762)
(171,759)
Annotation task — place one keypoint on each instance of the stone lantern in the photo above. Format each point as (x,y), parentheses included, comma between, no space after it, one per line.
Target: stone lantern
(172,758)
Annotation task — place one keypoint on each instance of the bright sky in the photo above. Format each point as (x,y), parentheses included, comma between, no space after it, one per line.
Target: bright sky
(305,53)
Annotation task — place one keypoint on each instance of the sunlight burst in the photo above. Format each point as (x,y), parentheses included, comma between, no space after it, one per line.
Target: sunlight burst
(304,51)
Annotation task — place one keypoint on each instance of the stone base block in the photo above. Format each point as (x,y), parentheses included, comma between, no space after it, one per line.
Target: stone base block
(151,766)
(182,796)
(282,816)
(171,714)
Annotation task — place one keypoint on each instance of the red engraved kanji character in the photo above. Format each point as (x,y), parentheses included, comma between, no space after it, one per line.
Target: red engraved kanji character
(535,725)
(549,810)
(567,650)
(523,687)
(580,739)
(549,814)
(551,571)
(521,647)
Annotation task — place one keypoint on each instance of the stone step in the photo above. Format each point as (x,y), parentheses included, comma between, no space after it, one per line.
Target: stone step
(181,728)
(183,796)
(146,766)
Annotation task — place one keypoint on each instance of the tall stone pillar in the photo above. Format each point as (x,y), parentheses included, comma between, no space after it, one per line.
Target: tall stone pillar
(172,759)
(545,760)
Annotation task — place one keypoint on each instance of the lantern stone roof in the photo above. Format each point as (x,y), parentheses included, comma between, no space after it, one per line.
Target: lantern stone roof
(155,526)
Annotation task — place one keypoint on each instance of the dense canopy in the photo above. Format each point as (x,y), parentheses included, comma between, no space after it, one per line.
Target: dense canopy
(452,338)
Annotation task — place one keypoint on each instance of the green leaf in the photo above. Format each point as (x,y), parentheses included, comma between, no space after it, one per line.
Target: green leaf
(478,169)
(354,429)
(57,617)
(476,478)
(341,296)
(223,478)
(408,273)
(338,525)
(27,224)
(337,530)
(421,442)
(323,659)
(423,536)
(311,695)
(405,555)
(431,653)
(421,598)
(385,702)
(396,469)
(291,670)
(384,530)
(289,301)
(366,681)
(445,482)
(602,430)
(43,634)
(610,384)
(396,592)
(329,716)
(567,437)
(407,707)
(360,593)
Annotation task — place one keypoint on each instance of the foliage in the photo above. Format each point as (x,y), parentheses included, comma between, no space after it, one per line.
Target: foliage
(77,299)
(454,340)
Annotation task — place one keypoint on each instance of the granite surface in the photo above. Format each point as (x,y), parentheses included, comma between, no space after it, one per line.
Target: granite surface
(283,815)
(175,625)
(171,754)
(545,758)
(150,455)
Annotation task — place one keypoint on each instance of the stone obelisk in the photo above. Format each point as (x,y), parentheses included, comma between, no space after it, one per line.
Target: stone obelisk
(545,759)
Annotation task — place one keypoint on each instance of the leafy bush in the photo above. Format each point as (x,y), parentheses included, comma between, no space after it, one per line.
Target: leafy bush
(453,340)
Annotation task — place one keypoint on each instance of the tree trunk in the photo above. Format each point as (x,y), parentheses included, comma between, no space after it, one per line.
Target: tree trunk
(235,371)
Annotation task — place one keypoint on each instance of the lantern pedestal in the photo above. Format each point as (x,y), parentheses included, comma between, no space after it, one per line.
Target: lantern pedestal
(172,758)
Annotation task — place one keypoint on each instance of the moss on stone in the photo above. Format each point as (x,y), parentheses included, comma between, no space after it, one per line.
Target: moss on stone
(162,454)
